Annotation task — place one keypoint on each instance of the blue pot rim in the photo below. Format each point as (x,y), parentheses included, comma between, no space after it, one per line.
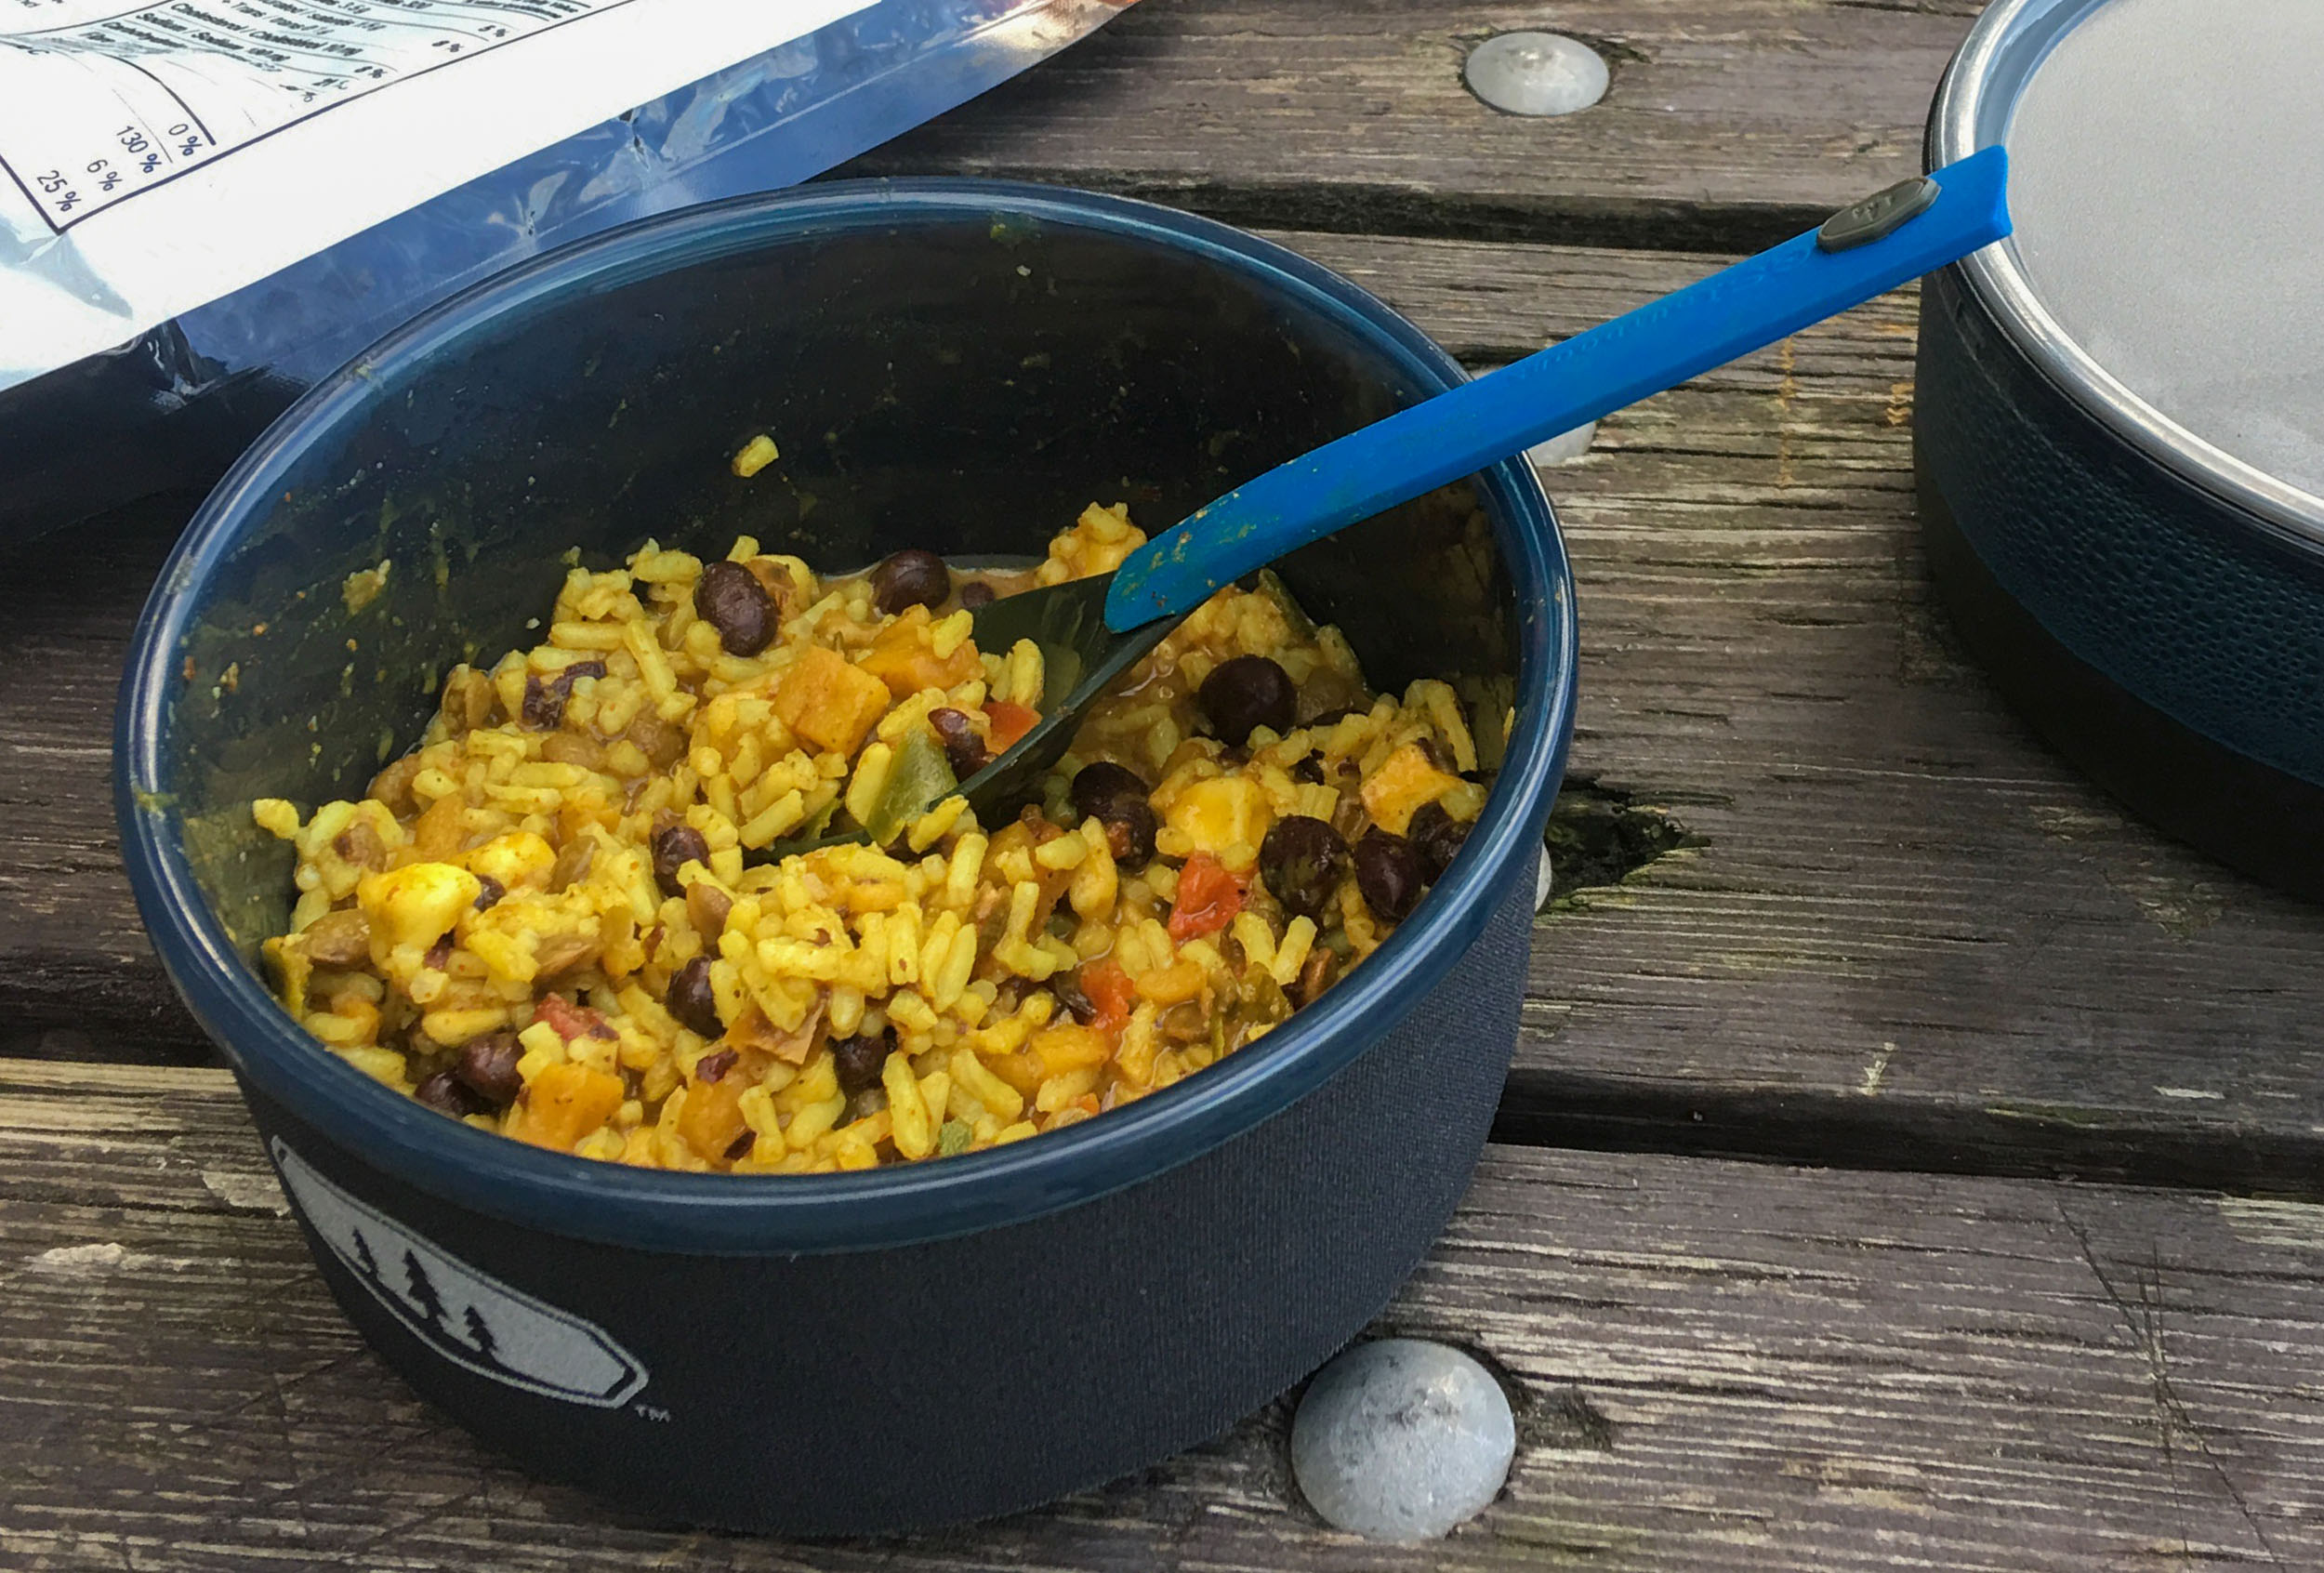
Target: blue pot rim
(658,1211)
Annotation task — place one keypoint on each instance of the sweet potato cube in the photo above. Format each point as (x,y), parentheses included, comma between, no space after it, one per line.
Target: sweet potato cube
(1067,1047)
(712,1119)
(565,1104)
(1224,812)
(827,702)
(1405,781)
(904,658)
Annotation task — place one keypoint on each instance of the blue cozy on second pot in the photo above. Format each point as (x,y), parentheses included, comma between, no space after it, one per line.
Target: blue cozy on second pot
(2152,601)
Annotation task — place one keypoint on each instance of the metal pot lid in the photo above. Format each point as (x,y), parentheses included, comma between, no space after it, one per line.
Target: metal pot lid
(2167,185)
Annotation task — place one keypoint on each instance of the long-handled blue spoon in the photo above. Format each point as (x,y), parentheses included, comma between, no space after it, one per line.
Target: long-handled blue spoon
(1090,631)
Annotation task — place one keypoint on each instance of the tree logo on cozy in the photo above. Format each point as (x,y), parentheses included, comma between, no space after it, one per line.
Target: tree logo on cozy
(468,1316)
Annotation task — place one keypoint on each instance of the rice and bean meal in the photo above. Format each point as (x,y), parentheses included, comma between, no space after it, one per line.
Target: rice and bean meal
(600,907)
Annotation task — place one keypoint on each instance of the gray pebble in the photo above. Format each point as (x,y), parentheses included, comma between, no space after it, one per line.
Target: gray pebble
(1402,1440)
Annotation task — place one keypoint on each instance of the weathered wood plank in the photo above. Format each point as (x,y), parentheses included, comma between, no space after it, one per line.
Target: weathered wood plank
(71,950)
(1727,122)
(1718,1367)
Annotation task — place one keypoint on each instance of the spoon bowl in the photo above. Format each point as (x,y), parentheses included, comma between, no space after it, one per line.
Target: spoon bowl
(1081,658)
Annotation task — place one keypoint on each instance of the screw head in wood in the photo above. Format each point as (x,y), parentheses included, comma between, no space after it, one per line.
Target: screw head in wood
(1536,74)
(1401,1439)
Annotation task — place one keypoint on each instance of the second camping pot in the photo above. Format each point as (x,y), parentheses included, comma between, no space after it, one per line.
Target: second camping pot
(2119,411)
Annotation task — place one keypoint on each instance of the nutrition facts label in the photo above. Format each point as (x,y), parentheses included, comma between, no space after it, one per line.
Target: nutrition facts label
(100,102)
(158,154)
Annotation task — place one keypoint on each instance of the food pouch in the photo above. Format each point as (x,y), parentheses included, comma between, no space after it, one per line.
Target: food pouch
(207,205)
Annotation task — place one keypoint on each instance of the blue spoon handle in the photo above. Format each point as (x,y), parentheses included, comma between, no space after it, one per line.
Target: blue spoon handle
(1659,345)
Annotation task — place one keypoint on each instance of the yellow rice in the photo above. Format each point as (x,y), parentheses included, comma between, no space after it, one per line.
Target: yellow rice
(969,953)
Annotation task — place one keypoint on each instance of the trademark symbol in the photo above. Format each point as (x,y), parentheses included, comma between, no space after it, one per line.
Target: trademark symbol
(650,1411)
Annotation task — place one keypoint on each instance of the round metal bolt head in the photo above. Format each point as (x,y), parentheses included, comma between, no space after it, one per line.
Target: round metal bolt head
(1536,74)
(1402,1440)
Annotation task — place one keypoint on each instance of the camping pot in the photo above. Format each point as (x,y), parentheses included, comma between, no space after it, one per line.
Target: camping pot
(2118,414)
(954,365)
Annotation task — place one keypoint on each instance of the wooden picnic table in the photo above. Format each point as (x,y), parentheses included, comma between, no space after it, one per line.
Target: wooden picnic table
(1903,1163)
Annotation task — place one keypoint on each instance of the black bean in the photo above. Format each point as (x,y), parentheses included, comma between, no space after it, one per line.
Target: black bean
(1309,769)
(1129,827)
(858,1062)
(1097,784)
(441,1093)
(692,1000)
(1302,862)
(487,1066)
(1116,797)
(741,1145)
(730,598)
(544,706)
(1390,873)
(1067,988)
(911,578)
(963,746)
(489,892)
(1438,835)
(674,847)
(1248,692)
(714,1066)
(976,593)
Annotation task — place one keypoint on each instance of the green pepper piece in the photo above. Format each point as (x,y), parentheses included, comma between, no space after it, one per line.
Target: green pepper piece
(919,778)
(953,1136)
(1261,998)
